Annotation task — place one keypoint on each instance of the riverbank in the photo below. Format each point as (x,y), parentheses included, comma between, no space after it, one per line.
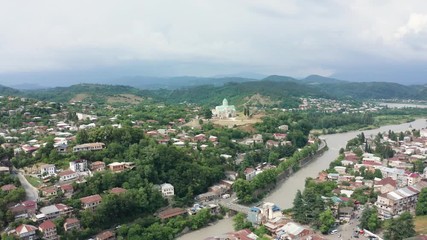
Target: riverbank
(285,191)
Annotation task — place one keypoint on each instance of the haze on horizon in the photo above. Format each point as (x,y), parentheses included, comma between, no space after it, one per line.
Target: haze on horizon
(50,42)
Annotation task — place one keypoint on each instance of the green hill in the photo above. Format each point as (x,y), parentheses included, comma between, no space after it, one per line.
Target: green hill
(270,92)
(85,93)
(5,91)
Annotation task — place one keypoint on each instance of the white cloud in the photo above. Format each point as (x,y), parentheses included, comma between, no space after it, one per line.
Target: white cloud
(272,36)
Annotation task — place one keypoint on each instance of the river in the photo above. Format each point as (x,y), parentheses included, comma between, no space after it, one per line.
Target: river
(284,193)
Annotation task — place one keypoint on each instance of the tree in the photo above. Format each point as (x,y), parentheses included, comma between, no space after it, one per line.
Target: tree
(421,208)
(373,221)
(239,222)
(327,220)
(400,228)
(207,113)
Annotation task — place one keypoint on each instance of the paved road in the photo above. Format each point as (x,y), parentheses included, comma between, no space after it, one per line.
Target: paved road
(347,231)
(31,193)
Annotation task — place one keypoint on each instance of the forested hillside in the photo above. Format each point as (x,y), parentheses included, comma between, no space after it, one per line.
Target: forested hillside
(277,91)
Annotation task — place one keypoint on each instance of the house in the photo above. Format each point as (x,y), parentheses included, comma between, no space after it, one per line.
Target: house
(345,213)
(47,169)
(292,230)
(91,202)
(55,210)
(398,201)
(26,232)
(97,166)
(116,166)
(106,235)
(171,212)
(250,173)
(49,191)
(271,211)
(413,178)
(280,136)
(67,189)
(167,190)
(67,175)
(284,127)
(48,229)
(117,190)
(8,187)
(271,144)
(79,165)
(71,224)
(61,147)
(89,147)
(385,185)
(24,209)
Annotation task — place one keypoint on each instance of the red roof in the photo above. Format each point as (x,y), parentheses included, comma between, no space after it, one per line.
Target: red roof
(67,187)
(71,220)
(23,228)
(249,170)
(8,187)
(172,212)
(117,190)
(105,235)
(66,172)
(387,180)
(48,224)
(91,199)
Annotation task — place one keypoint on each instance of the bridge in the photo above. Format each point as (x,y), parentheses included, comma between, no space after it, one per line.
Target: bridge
(235,207)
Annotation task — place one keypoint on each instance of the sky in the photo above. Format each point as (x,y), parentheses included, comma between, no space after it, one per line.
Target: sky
(47,42)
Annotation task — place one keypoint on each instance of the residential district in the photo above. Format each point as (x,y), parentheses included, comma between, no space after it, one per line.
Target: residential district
(63,177)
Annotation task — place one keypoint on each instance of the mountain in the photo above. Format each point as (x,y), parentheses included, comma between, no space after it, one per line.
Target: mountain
(277,78)
(317,79)
(372,90)
(8,91)
(175,82)
(99,93)
(264,91)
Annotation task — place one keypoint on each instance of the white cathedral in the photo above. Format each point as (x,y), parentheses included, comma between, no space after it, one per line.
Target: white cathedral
(224,111)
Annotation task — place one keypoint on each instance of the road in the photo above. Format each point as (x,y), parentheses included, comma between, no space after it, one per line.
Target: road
(31,193)
(347,230)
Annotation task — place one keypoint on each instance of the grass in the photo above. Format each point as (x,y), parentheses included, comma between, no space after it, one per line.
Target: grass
(421,224)
(393,119)
(33,181)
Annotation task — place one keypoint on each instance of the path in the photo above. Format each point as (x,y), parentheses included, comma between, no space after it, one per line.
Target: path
(31,193)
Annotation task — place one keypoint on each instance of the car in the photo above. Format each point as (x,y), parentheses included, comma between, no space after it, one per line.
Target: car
(333,232)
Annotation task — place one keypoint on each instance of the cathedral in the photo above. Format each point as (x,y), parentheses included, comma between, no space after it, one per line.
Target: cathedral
(224,111)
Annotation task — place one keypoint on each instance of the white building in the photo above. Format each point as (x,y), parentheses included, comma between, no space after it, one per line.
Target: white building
(79,165)
(89,147)
(47,169)
(167,190)
(224,111)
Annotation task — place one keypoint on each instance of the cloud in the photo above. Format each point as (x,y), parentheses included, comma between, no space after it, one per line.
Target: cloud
(292,37)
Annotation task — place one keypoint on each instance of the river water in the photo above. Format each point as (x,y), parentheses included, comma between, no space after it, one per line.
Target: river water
(284,193)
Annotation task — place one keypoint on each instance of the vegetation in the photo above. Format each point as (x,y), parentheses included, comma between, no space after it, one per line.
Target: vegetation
(421,208)
(399,228)
(370,220)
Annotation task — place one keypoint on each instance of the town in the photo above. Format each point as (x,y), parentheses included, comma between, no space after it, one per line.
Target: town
(68,171)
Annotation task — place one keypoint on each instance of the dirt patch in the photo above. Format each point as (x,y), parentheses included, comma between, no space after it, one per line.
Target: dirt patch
(421,224)
(125,98)
(259,100)
(79,97)
(241,122)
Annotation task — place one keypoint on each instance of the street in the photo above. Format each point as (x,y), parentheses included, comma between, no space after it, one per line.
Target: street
(31,193)
(347,230)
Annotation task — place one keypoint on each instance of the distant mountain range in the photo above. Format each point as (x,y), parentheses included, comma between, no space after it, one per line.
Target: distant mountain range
(272,90)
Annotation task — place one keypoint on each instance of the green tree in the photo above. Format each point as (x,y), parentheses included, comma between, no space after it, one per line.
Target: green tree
(239,222)
(400,228)
(421,208)
(326,220)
